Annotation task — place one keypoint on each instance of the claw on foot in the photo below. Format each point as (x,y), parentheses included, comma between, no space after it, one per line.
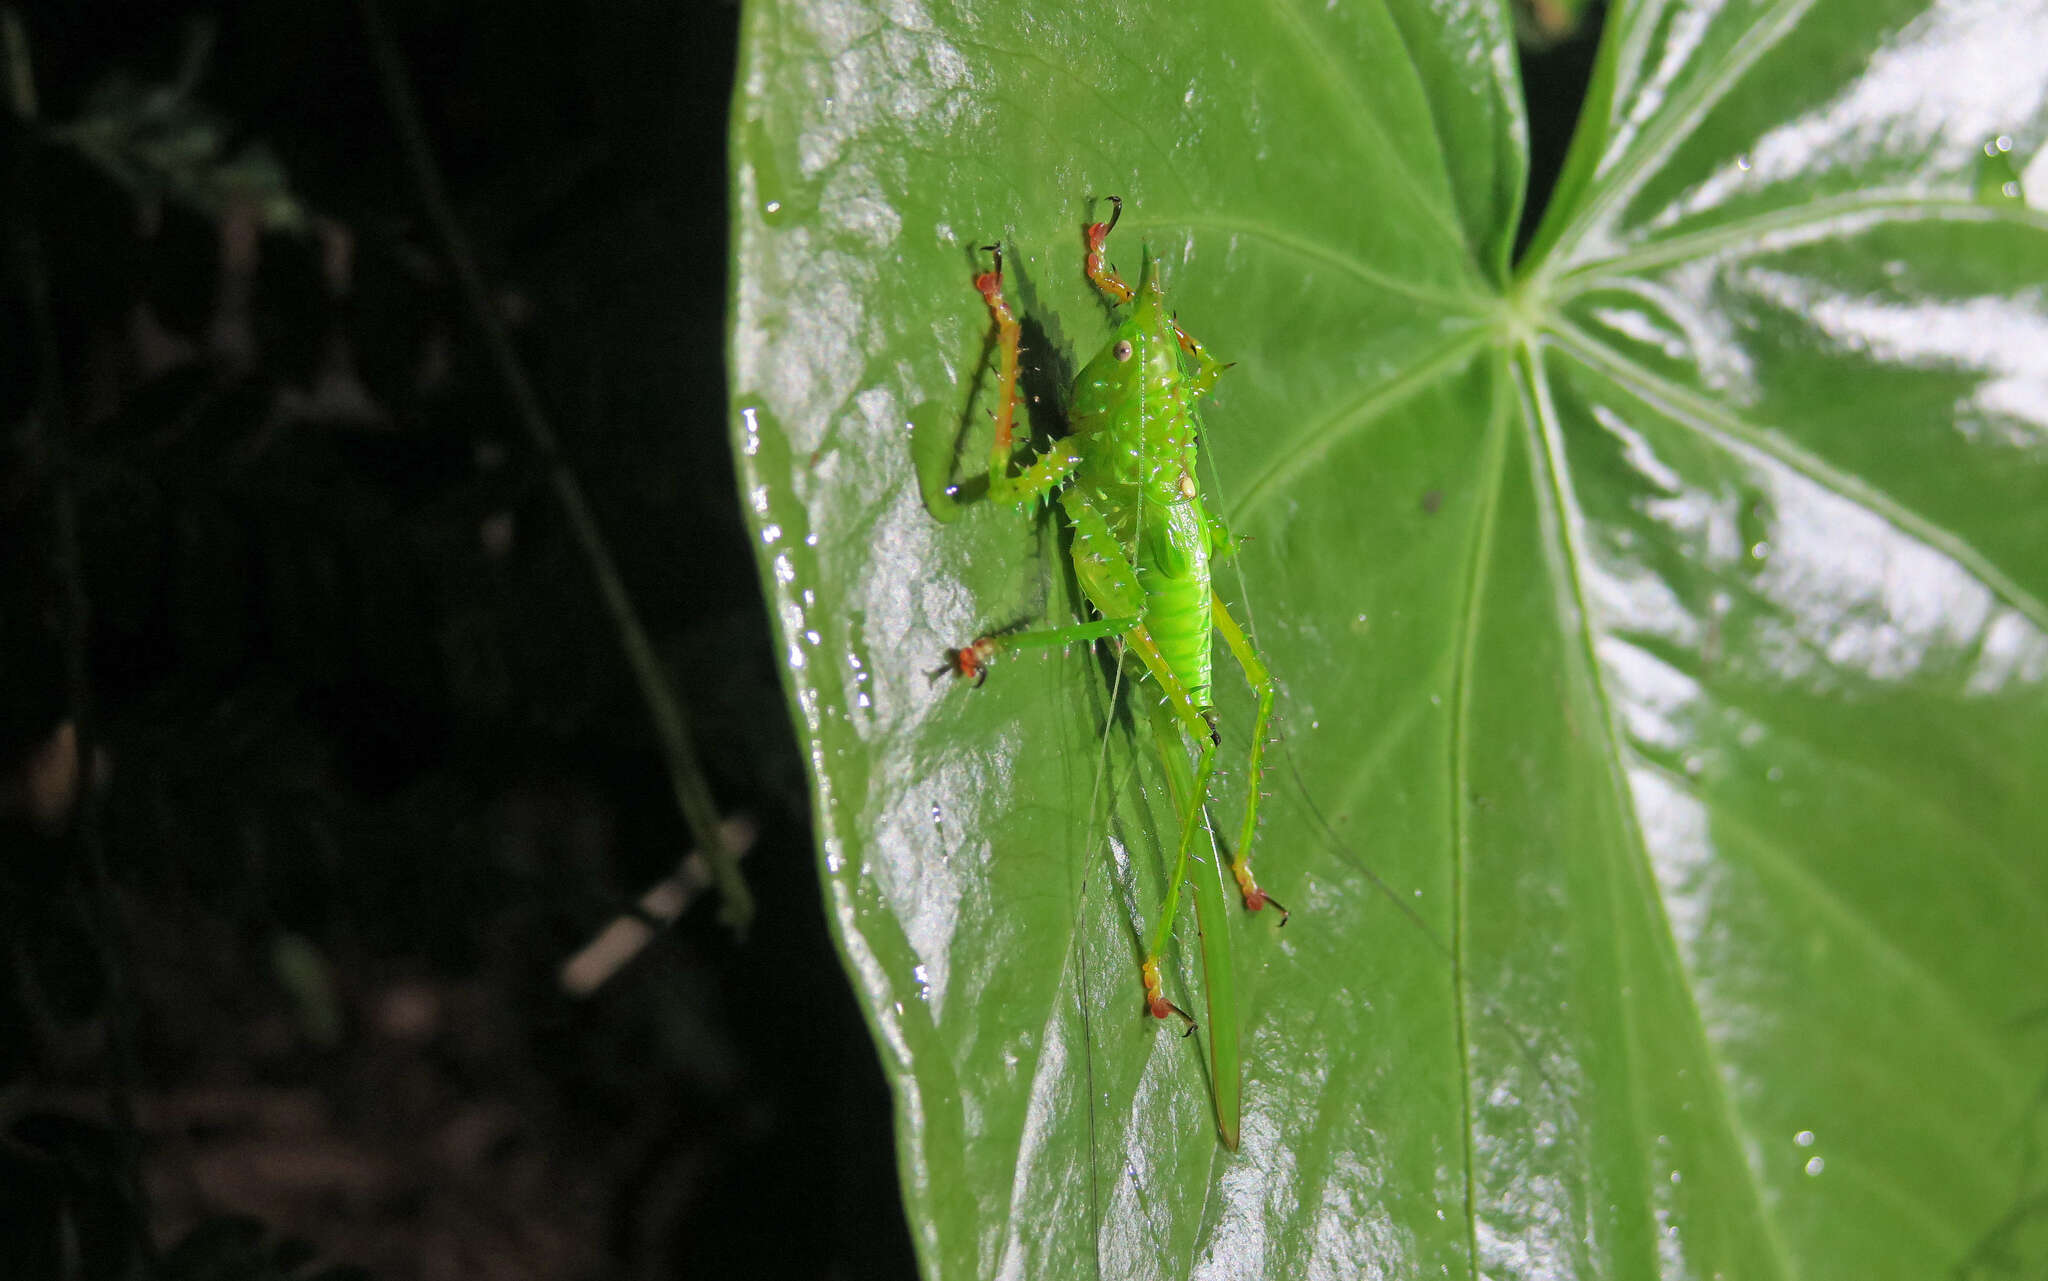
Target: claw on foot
(1099,231)
(1256,898)
(990,283)
(1156,1003)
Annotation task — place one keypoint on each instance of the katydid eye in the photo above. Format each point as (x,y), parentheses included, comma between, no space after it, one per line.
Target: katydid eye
(1122,351)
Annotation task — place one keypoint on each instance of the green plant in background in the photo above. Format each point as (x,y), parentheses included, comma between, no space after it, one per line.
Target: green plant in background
(1659,619)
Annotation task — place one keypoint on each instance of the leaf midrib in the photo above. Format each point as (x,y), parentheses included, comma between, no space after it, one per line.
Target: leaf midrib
(1549,448)
(1493,477)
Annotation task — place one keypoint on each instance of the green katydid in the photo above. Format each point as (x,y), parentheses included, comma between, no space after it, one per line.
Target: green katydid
(1143,546)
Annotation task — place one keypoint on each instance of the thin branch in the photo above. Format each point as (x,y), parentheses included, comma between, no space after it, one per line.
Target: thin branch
(664,703)
(629,933)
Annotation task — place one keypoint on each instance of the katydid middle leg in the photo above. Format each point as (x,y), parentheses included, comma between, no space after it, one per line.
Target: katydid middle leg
(1219,966)
(1109,580)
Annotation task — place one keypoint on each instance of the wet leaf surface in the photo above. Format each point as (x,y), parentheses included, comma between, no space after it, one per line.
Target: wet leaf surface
(1660,624)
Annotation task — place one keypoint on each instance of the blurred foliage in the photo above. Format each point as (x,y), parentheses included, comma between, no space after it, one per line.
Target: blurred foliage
(368,761)
(160,144)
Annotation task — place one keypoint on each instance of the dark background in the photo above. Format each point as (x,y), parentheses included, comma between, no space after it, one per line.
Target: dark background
(279,997)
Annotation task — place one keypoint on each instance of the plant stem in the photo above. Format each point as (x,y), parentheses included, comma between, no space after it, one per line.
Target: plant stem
(664,703)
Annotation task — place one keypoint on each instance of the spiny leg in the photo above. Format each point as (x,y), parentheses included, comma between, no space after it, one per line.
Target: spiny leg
(1173,715)
(1048,472)
(1203,379)
(1219,967)
(1196,722)
(1111,582)
(1261,681)
(1170,717)
(1109,579)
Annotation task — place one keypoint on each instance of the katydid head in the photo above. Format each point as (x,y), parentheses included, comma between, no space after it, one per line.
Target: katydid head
(1148,303)
(1144,343)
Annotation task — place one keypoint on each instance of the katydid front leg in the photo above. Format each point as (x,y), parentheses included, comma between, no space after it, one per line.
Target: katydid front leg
(1048,472)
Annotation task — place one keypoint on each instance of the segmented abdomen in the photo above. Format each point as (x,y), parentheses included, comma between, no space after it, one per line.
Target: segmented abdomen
(1177,615)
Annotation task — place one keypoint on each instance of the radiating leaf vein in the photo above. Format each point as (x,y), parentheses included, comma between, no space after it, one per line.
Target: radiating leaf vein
(1732,432)
(1548,444)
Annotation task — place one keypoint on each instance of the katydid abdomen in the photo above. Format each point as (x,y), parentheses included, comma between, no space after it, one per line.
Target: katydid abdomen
(1175,596)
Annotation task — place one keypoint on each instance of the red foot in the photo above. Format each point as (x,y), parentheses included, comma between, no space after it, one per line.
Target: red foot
(971,662)
(1159,1007)
(1256,897)
(1156,1003)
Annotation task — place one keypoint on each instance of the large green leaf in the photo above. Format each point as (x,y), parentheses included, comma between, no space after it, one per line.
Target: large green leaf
(1660,623)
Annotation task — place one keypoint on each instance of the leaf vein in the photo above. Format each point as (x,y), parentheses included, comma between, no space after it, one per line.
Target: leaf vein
(1549,447)
(1734,433)
(1691,107)
(1782,228)
(1775,858)
(1319,54)
(1315,441)
(1463,303)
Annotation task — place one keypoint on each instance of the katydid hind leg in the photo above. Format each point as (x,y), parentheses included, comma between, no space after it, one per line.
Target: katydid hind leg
(1188,807)
(1260,679)
(1203,875)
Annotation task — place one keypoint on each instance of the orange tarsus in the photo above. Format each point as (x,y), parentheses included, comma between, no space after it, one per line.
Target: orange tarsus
(990,285)
(1105,278)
